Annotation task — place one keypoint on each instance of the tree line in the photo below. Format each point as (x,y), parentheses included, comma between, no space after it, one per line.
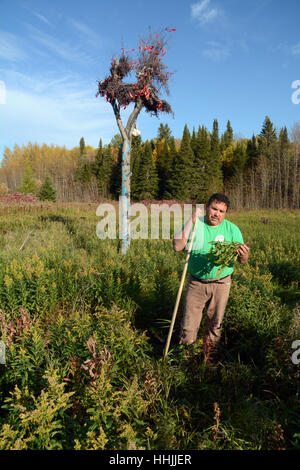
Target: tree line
(263,171)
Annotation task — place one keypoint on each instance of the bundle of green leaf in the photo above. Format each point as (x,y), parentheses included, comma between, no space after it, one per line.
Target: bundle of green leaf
(223,254)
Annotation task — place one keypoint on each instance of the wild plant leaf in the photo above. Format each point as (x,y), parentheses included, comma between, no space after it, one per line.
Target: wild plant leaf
(223,254)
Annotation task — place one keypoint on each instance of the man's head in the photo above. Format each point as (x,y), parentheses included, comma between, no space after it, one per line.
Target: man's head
(216,208)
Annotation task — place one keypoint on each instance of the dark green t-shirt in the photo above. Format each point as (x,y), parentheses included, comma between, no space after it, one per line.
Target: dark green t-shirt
(199,265)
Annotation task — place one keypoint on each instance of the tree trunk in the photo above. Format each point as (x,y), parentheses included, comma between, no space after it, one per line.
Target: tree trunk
(125,196)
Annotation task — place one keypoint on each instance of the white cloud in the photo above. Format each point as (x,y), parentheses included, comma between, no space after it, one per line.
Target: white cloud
(36,84)
(65,50)
(57,110)
(209,15)
(42,18)
(89,35)
(203,12)
(295,50)
(10,48)
(38,15)
(215,51)
(198,8)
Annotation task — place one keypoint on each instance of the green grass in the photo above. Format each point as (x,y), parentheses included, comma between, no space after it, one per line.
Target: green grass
(85,328)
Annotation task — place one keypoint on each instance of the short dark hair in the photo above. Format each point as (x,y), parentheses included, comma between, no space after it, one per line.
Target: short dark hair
(218,197)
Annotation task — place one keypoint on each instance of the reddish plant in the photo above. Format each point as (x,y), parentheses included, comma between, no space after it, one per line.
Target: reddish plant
(14,329)
(19,198)
(98,360)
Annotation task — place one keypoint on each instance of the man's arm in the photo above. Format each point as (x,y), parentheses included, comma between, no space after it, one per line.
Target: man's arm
(243,252)
(180,240)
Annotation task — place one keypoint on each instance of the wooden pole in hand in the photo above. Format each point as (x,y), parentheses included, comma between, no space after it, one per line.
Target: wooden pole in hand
(180,291)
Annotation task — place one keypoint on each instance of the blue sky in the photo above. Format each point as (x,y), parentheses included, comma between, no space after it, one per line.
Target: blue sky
(231,59)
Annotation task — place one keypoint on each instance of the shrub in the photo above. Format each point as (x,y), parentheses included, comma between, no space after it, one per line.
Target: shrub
(47,191)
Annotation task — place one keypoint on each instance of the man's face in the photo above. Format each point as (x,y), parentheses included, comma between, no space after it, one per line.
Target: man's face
(215,213)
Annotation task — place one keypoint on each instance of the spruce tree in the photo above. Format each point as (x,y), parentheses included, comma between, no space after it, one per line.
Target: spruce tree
(82,149)
(284,172)
(147,183)
(164,132)
(240,157)
(98,159)
(214,171)
(202,165)
(105,166)
(172,149)
(173,159)
(136,155)
(181,180)
(215,142)
(252,152)
(116,175)
(194,142)
(283,142)
(267,139)
(47,191)
(227,137)
(164,162)
(83,171)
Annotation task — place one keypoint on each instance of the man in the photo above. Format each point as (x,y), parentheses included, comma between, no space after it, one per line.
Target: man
(205,286)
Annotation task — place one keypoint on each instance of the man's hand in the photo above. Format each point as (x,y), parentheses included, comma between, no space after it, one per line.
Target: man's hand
(243,252)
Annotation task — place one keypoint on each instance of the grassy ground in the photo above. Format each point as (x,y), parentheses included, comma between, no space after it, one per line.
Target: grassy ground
(85,327)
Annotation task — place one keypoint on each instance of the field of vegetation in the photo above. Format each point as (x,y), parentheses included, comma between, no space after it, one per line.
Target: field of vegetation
(85,328)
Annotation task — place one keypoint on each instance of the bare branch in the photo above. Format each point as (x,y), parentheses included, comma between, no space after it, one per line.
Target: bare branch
(133,116)
(119,120)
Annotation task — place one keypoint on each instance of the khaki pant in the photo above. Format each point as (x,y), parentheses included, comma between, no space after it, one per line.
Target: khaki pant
(215,295)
